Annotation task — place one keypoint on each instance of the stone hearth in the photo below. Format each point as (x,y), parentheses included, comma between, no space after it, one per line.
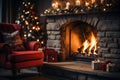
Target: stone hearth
(76,70)
(108,32)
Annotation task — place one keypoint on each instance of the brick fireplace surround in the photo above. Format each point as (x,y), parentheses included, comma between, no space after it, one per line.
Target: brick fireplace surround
(108,31)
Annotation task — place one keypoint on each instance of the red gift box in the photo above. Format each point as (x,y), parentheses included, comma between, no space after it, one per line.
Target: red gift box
(51,55)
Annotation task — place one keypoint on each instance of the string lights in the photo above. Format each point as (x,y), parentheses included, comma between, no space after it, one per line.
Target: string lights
(29,20)
(78,6)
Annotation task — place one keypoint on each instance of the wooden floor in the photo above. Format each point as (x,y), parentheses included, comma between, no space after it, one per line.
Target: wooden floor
(25,74)
(73,70)
(77,70)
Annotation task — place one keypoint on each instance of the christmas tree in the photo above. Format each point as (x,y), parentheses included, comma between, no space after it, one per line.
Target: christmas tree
(28,19)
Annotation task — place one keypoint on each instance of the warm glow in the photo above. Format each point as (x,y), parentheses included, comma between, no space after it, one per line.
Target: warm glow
(53,5)
(29,3)
(85,45)
(38,28)
(25,35)
(75,42)
(37,22)
(86,3)
(38,40)
(102,1)
(26,22)
(33,28)
(67,5)
(93,1)
(29,34)
(93,43)
(77,3)
(30,30)
(36,17)
(90,44)
(42,42)
(56,4)
(23,2)
(80,39)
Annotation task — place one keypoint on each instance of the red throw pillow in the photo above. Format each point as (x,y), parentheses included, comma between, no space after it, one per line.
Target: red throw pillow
(14,40)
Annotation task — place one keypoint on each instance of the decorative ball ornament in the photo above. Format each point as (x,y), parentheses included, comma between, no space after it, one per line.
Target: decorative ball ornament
(33,12)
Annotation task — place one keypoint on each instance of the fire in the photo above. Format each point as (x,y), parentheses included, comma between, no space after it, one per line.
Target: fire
(90,44)
(93,44)
(80,39)
(85,45)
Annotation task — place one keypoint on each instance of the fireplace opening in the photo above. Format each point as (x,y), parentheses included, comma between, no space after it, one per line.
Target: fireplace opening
(79,41)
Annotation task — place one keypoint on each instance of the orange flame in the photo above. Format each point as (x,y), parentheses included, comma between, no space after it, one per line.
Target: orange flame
(93,43)
(85,45)
(90,43)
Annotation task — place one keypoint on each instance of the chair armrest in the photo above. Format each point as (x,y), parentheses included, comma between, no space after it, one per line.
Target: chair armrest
(2,44)
(5,48)
(32,45)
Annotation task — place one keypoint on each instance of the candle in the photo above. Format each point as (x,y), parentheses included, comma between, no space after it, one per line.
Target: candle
(102,1)
(67,5)
(93,1)
(55,5)
(86,3)
(77,2)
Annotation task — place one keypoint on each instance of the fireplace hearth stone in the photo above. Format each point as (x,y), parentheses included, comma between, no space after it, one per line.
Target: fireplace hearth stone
(77,70)
(108,32)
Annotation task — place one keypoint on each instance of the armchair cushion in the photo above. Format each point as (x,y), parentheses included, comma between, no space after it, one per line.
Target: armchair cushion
(14,40)
(23,56)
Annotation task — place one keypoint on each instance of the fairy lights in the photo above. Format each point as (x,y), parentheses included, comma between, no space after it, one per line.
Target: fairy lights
(79,6)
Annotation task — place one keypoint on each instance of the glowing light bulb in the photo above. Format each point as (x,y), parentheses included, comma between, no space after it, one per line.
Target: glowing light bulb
(23,2)
(29,3)
(26,22)
(29,34)
(25,35)
(77,2)
(33,28)
(36,17)
(67,5)
(42,42)
(38,28)
(30,30)
(38,40)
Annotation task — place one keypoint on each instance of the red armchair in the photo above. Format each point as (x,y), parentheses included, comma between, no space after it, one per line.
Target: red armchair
(11,57)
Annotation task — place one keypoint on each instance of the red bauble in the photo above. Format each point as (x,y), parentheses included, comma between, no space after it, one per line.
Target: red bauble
(33,12)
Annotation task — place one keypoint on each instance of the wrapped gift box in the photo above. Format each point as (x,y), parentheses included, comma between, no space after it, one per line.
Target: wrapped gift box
(98,65)
(51,55)
(111,67)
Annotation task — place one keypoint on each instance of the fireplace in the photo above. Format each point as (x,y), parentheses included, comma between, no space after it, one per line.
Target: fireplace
(79,39)
(105,27)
